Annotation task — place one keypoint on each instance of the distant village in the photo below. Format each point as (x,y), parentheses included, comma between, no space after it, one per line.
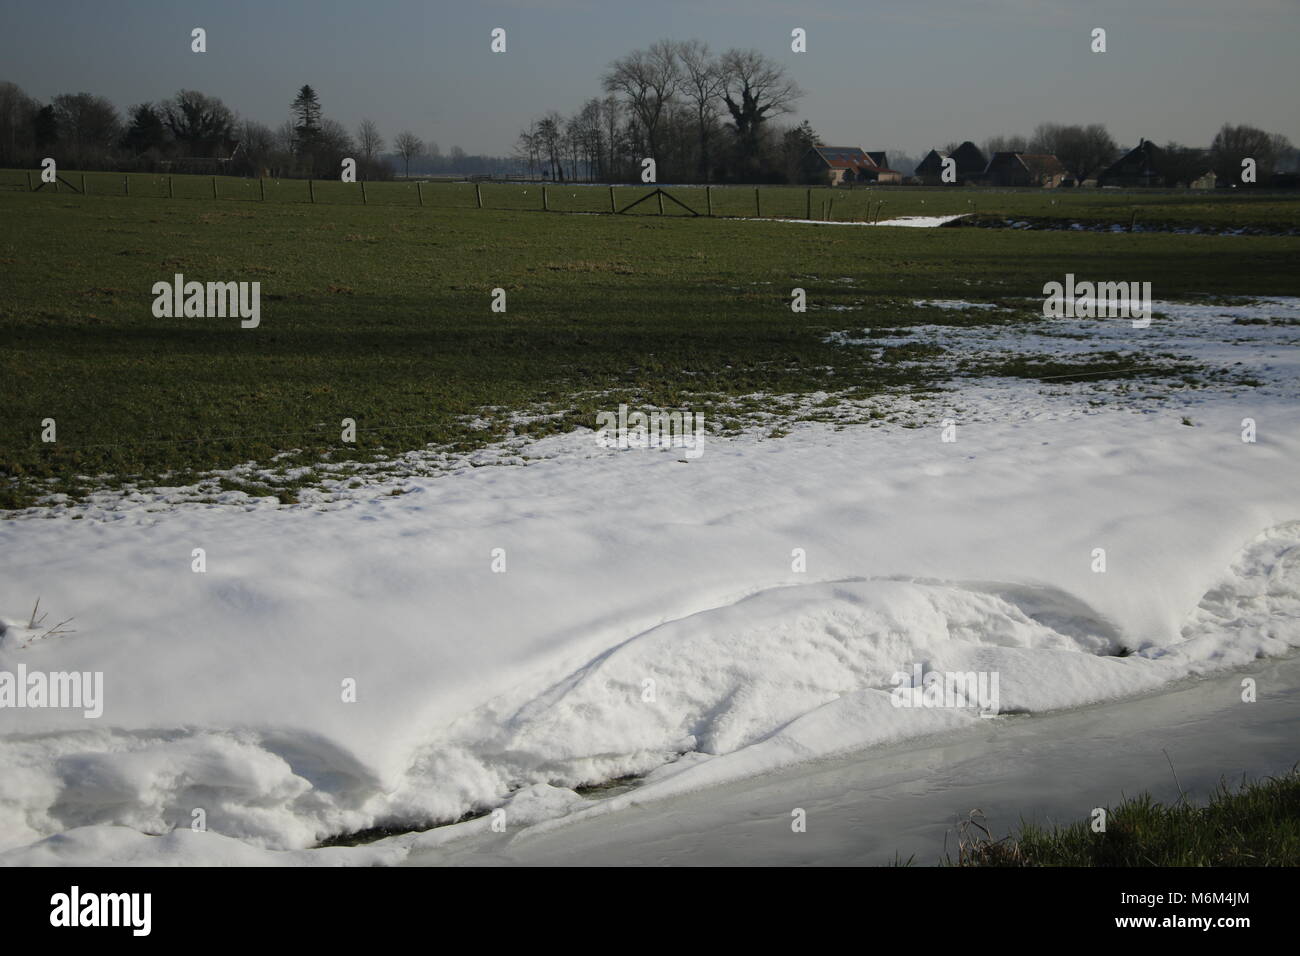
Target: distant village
(1144,165)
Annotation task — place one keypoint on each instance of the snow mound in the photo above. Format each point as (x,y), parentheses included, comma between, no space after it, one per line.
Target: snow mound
(785,675)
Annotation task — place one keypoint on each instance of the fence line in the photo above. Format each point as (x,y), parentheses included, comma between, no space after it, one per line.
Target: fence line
(729,202)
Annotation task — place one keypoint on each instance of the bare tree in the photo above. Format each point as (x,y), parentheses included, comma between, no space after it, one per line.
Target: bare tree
(648,78)
(1047,138)
(201,123)
(1005,144)
(409,147)
(591,137)
(1232,144)
(550,134)
(89,126)
(369,142)
(755,88)
(528,148)
(1086,150)
(17,114)
(702,86)
(611,115)
(258,143)
(1083,150)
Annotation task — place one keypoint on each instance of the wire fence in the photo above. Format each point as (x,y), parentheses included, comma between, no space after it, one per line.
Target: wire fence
(718,201)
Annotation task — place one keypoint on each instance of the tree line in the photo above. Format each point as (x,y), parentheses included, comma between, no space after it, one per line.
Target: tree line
(193,129)
(702,117)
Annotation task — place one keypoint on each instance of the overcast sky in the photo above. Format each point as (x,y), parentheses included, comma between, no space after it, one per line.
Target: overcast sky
(900,74)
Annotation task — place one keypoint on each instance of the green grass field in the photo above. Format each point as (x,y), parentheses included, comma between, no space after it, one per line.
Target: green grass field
(1173,206)
(381,313)
(1255,825)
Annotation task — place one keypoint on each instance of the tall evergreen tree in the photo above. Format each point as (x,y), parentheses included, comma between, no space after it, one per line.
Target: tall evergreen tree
(146,130)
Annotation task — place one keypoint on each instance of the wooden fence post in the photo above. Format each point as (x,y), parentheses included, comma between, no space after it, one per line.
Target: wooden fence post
(830,210)
(419,194)
(808,206)
(363,192)
(545,206)
(214,187)
(659,194)
(261,187)
(311,191)
(758,209)
(1133,222)
(29,180)
(171,193)
(126,185)
(708,198)
(478,195)
(83,184)
(612,206)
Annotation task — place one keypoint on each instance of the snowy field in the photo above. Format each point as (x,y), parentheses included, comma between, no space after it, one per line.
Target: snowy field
(768,590)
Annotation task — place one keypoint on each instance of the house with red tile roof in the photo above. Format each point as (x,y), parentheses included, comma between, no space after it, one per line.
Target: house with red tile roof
(846,165)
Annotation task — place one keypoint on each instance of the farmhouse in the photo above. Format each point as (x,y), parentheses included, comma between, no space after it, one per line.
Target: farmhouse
(968,157)
(1025,169)
(840,165)
(1140,166)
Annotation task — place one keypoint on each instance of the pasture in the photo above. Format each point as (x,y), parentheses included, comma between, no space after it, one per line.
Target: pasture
(1218,208)
(381,312)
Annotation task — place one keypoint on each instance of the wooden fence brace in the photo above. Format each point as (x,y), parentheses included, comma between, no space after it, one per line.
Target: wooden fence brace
(363,192)
(478,195)
(830,210)
(419,194)
(660,194)
(311,191)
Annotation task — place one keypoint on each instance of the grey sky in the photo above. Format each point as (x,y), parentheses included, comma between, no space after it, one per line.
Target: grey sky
(906,74)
